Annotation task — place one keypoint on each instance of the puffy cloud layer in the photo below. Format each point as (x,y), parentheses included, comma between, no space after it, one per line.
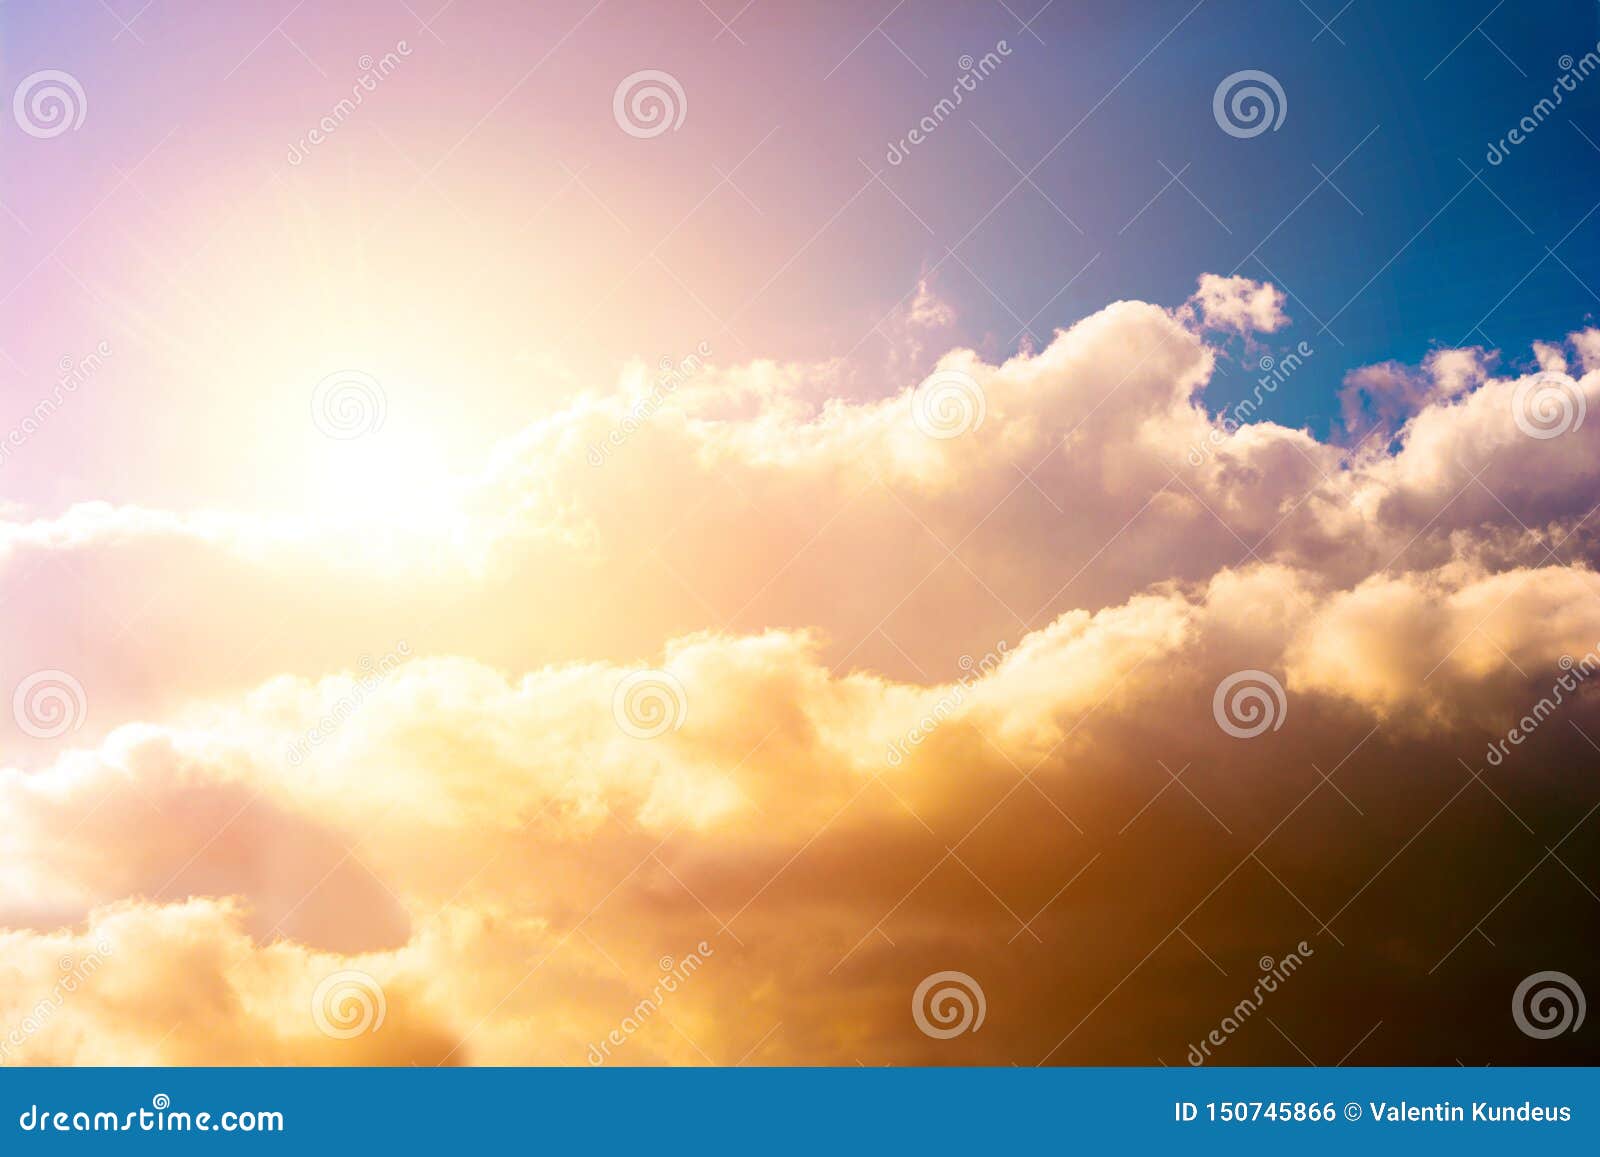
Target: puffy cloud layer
(456,836)
(739,498)
(915,663)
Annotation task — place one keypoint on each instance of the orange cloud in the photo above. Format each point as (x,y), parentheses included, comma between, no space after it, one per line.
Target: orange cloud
(849,692)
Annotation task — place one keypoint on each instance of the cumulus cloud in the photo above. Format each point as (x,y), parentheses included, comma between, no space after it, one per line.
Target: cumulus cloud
(1384,396)
(1239,304)
(844,691)
(414,844)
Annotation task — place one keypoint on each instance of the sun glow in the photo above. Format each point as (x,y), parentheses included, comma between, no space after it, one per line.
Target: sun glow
(385,481)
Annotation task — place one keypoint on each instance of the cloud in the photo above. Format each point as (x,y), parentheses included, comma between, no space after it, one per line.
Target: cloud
(850,691)
(928,310)
(1384,396)
(455,796)
(1239,304)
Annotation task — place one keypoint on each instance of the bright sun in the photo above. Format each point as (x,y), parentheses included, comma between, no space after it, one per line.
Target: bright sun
(384,481)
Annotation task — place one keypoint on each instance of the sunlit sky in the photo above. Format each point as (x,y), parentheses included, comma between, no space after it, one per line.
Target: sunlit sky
(483,240)
(366,504)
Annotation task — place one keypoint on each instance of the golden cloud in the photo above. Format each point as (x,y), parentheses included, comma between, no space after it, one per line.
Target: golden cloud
(806,693)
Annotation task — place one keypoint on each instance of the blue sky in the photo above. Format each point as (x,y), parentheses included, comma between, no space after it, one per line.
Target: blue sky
(762,215)
(1398,251)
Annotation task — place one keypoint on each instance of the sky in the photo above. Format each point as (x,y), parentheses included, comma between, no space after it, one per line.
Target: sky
(676,533)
